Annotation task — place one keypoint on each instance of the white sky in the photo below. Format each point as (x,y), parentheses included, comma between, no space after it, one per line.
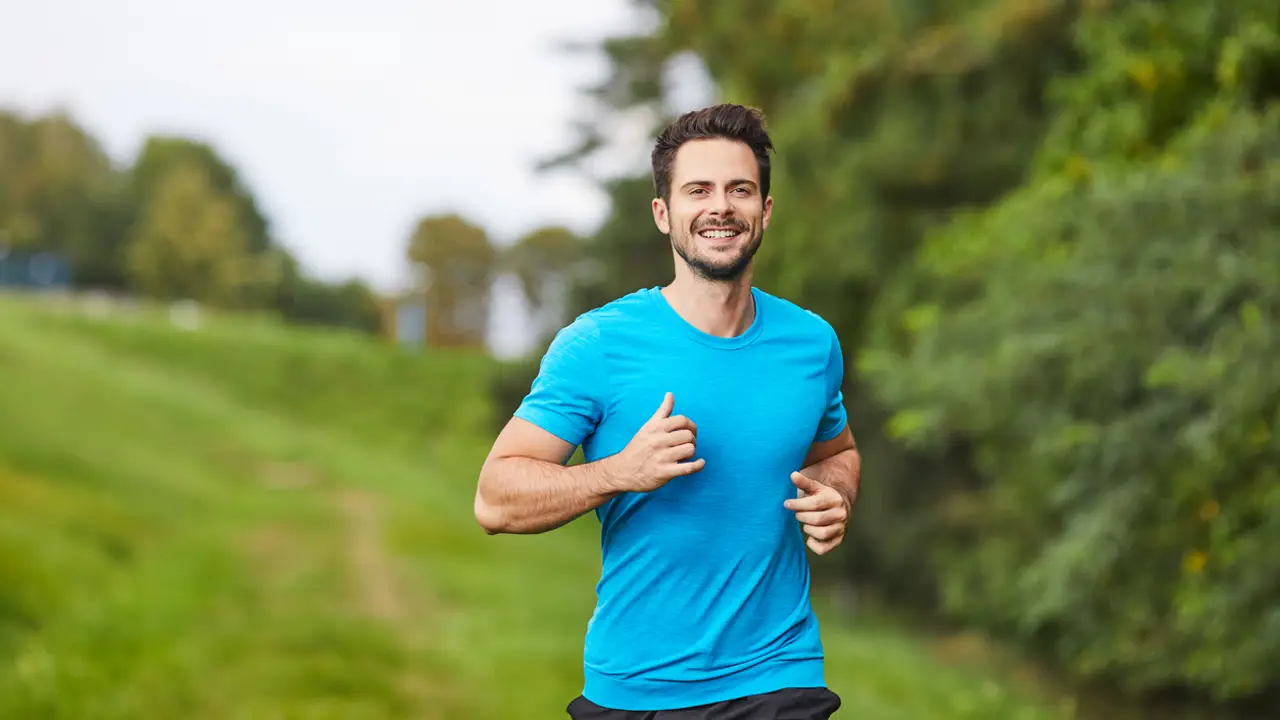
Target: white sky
(346,124)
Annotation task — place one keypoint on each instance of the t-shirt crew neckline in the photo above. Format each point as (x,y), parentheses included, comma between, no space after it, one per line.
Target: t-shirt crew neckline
(720,343)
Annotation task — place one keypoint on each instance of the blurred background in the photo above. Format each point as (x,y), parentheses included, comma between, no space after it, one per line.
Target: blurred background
(273,274)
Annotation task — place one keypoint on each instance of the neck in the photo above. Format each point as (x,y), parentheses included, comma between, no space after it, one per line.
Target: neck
(721,309)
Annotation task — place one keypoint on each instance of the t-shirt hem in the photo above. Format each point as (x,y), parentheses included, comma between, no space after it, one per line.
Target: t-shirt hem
(644,694)
(833,432)
(550,422)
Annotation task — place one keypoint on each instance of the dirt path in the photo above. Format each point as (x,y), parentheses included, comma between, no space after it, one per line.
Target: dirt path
(371,567)
(377,591)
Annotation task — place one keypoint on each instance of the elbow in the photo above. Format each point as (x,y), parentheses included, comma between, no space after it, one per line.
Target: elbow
(490,517)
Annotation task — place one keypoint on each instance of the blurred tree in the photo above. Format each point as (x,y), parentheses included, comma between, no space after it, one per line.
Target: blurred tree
(627,252)
(59,192)
(351,304)
(547,262)
(189,243)
(1100,336)
(160,154)
(456,264)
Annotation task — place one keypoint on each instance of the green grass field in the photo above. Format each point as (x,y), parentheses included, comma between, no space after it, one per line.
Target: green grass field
(244,521)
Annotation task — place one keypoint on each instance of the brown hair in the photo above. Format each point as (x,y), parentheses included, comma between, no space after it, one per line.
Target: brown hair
(731,122)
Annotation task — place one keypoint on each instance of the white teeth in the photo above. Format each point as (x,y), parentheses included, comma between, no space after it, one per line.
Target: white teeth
(718,233)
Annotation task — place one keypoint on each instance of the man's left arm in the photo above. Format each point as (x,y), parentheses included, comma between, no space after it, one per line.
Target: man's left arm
(836,464)
(832,467)
(829,482)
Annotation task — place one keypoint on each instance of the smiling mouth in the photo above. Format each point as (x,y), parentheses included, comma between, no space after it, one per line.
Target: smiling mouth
(719,234)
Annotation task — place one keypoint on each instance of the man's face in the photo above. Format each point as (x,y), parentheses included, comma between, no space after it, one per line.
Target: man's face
(716,217)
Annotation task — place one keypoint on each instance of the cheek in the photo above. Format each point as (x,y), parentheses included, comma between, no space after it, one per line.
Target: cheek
(681,221)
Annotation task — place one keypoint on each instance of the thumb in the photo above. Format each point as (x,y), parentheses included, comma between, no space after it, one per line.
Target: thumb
(664,410)
(805,483)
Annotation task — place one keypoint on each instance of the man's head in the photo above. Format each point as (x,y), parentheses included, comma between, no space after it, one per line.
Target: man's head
(711,177)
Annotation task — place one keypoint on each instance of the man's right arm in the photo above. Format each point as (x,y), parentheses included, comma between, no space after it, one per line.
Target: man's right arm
(526,488)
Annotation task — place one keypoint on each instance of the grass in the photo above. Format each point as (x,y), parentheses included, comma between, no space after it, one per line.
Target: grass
(244,521)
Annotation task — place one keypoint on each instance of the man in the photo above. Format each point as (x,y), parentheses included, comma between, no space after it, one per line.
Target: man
(695,405)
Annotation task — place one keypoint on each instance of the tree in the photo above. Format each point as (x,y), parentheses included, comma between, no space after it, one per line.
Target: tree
(456,265)
(160,154)
(59,193)
(189,243)
(1100,337)
(547,262)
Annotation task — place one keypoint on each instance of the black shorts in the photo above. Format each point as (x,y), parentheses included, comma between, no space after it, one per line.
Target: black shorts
(787,704)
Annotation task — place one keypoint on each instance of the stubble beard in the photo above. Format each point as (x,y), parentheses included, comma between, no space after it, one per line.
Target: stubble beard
(710,270)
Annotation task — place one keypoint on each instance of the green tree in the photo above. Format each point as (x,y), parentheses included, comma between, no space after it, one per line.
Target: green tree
(59,192)
(548,262)
(189,244)
(351,304)
(456,264)
(1100,337)
(160,154)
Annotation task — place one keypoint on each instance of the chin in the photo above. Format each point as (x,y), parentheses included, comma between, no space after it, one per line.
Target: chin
(723,271)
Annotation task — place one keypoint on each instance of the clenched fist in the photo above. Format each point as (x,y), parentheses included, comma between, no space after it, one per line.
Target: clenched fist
(656,454)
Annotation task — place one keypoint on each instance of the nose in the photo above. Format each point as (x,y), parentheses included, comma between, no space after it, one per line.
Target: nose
(720,204)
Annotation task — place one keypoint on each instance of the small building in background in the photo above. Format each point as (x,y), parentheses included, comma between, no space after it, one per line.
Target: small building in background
(404,319)
(410,319)
(38,270)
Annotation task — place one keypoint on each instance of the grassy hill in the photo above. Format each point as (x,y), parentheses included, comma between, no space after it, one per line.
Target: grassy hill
(246,521)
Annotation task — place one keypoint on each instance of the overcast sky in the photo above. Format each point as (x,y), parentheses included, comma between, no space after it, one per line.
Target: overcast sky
(347,124)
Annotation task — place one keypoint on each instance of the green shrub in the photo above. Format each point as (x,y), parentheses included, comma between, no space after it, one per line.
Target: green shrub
(1109,348)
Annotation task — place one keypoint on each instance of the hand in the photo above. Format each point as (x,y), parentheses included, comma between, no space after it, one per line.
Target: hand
(654,455)
(822,512)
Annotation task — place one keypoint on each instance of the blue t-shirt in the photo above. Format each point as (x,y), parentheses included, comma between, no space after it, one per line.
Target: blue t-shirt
(704,587)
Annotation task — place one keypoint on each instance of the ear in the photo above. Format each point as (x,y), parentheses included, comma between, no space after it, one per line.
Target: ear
(768,211)
(660,217)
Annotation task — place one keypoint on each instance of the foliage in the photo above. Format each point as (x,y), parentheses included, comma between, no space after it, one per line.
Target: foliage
(547,261)
(456,263)
(1113,364)
(57,190)
(188,244)
(178,223)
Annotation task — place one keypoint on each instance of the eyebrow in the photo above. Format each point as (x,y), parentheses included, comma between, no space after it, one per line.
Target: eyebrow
(703,183)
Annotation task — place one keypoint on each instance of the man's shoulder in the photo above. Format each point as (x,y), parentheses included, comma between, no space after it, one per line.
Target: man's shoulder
(627,309)
(793,316)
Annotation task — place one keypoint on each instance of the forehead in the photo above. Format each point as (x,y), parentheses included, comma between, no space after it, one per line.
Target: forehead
(714,160)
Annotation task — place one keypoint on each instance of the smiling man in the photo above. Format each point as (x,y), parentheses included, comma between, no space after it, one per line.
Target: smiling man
(712,423)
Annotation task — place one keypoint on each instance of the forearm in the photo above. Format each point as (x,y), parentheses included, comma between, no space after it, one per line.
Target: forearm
(526,496)
(842,471)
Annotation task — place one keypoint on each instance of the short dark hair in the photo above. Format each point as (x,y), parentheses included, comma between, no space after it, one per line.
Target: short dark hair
(731,122)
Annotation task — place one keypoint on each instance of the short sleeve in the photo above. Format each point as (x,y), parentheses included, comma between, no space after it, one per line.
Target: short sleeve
(834,417)
(566,397)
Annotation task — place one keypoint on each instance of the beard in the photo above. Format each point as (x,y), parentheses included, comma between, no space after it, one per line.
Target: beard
(716,269)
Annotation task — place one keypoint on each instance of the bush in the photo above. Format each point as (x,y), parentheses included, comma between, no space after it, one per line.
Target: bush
(1109,349)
